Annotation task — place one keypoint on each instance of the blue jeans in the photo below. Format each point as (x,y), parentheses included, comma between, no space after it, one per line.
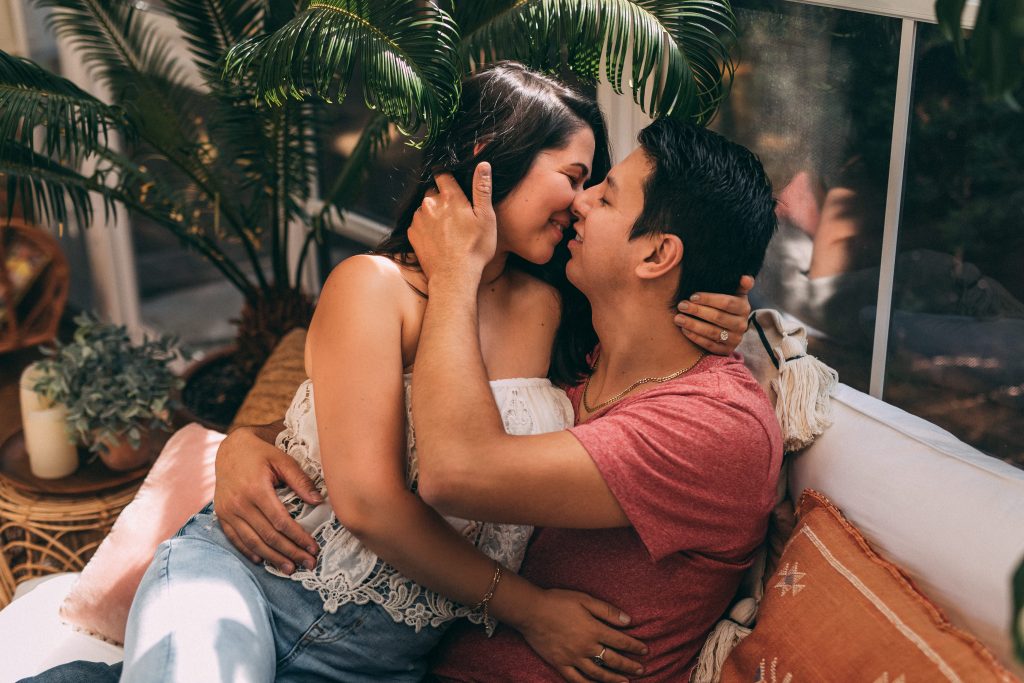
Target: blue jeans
(203,612)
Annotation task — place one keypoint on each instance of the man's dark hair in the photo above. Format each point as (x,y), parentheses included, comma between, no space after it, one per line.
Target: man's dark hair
(516,113)
(715,196)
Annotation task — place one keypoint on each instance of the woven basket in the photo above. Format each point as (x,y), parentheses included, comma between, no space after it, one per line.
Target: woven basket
(276,383)
(48,534)
(35,320)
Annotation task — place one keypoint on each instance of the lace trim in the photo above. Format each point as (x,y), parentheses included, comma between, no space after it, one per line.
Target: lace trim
(347,571)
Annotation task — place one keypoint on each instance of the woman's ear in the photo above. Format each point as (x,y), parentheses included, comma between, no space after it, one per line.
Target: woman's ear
(665,252)
(481,144)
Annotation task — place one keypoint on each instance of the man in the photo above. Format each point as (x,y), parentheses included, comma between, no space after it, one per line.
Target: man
(656,500)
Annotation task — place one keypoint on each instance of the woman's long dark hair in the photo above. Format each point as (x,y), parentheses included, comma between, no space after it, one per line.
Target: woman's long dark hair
(516,114)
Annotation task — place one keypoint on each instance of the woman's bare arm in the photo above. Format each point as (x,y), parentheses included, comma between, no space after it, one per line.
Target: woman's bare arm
(356,368)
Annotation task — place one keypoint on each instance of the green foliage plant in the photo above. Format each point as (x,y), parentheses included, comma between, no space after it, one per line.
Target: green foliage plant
(113,389)
(233,161)
(993,55)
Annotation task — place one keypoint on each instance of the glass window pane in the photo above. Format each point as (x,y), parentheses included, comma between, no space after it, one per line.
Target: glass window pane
(957,336)
(814,97)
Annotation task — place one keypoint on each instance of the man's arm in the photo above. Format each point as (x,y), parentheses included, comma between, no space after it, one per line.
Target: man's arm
(468,465)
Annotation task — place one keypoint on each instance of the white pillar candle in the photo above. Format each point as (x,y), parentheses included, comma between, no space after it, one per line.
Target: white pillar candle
(51,454)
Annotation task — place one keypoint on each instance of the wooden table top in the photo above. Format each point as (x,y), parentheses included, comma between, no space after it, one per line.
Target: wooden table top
(92,478)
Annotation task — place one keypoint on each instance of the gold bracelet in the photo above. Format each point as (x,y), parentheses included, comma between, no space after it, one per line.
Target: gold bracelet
(486,600)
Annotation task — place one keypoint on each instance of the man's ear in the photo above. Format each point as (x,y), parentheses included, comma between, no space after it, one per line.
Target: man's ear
(665,252)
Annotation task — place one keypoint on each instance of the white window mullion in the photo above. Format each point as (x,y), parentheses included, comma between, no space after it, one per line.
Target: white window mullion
(109,244)
(893,205)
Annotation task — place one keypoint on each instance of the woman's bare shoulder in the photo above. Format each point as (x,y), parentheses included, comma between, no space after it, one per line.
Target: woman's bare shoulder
(370,273)
(534,293)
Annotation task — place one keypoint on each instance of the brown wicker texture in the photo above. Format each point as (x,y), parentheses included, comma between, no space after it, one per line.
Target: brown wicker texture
(276,383)
(40,315)
(45,534)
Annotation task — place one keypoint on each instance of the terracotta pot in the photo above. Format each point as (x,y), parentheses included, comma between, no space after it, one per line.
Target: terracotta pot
(123,457)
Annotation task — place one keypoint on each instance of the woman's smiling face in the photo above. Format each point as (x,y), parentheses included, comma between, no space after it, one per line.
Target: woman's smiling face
(532,218)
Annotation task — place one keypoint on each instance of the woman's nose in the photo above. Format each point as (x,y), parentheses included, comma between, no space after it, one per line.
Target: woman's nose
(581,204)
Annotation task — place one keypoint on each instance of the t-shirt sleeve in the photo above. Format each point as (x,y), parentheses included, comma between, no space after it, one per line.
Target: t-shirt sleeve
(688,471)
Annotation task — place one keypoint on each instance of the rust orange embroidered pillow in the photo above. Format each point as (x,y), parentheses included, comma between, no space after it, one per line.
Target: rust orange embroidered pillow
(836,611)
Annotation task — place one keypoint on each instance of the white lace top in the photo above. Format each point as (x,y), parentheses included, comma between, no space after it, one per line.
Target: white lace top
(346,571)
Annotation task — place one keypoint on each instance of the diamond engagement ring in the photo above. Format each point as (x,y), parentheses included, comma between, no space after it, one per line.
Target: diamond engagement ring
(723,336)
(599,659)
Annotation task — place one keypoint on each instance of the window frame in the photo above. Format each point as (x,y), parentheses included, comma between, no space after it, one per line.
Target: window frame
(625,119)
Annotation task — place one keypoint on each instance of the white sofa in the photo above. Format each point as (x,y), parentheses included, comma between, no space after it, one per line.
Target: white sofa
(950,516)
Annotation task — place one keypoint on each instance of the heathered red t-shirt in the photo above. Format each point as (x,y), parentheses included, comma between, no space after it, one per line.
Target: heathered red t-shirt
(693,462)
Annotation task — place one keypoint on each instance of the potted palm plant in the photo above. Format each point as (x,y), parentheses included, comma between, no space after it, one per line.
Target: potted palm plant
(232,163)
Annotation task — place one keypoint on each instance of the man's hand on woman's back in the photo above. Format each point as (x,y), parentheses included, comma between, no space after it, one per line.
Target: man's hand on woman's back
(248,469)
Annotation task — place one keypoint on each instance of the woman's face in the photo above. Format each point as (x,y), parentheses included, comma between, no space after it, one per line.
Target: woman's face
(532,218)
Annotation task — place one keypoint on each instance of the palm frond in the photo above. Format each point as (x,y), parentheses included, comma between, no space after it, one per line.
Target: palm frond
(120,45)
(288,134)
(44,186)
(212,27)
(404,49)
(74,122)
(679,49)
(123,49)
(470,15)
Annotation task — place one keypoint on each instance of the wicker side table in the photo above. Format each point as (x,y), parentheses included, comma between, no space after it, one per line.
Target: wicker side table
(48,527)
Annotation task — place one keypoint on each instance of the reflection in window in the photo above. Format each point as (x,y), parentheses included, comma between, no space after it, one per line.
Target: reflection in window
(814,97)
(957,335)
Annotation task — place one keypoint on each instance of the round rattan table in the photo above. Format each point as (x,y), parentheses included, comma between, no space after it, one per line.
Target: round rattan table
(52,526)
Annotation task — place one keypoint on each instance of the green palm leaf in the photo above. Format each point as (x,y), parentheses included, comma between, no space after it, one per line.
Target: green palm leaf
(405,51)
(123,49)
(45,186)
(74,122)
(288,132)
(212,27)
(679,48)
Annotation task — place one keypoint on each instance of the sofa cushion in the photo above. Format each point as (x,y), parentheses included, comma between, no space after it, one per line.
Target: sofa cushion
(947,514)
(835,606)
(34,639)
(179,485)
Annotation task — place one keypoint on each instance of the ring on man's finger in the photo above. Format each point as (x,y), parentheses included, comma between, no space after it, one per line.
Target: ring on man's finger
(599,659)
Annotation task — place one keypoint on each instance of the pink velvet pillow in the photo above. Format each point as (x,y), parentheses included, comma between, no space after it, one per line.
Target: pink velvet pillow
(178,486)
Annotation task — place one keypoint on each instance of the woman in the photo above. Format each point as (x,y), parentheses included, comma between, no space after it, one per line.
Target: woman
(354,615)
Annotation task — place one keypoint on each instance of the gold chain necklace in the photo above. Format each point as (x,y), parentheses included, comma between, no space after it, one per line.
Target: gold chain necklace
(634,385)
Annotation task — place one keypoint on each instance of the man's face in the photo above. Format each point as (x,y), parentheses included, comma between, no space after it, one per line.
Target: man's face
(602,254)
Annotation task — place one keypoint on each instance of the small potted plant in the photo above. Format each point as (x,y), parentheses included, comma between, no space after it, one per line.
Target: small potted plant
(118,394)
